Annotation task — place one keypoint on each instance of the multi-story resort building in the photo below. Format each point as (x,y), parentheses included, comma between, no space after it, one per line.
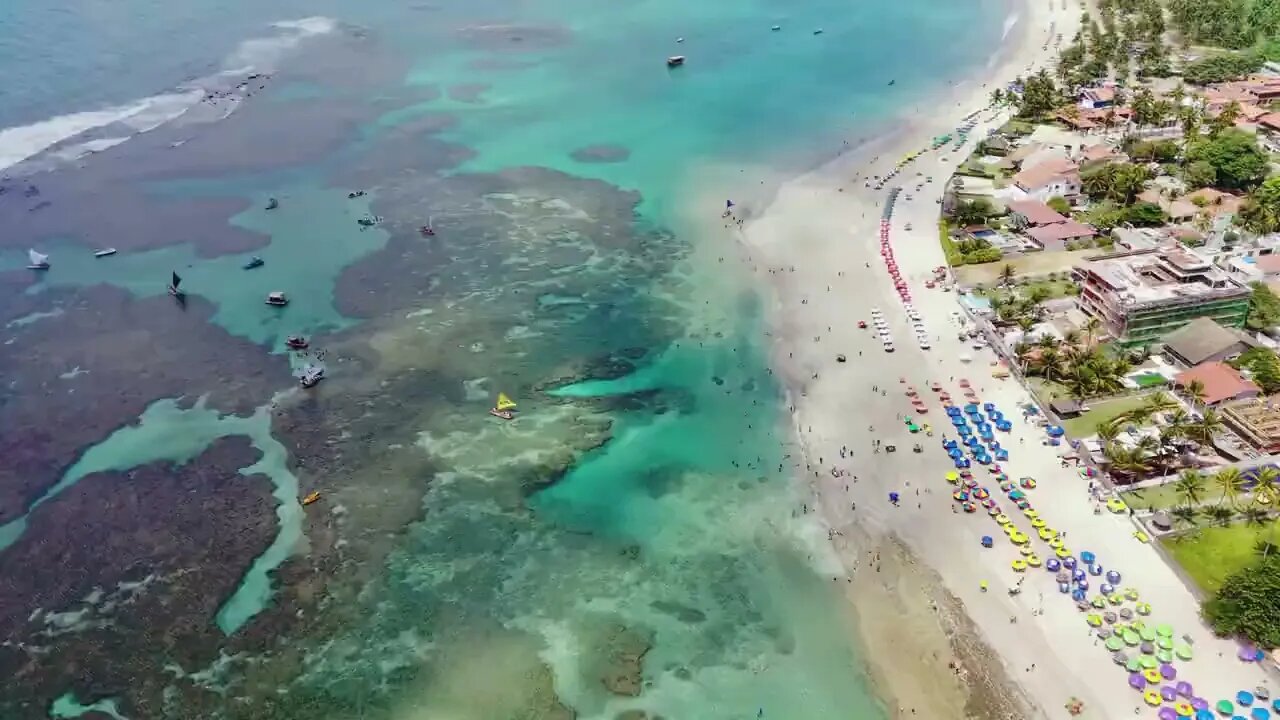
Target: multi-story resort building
(1257,421)
(1142,296)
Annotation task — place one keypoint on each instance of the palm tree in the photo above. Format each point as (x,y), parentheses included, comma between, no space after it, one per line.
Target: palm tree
(1230,483)
(1190,486)
(1091,326)
(1108,432)
(1194,391)
(1265,489)
(1203,430)
(1217,513)
(1007,274)
(1185,513)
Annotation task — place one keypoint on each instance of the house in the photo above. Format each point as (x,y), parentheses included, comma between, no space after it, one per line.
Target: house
(1032,213)
(1066,408)
(1179,211)
(1098,98)
(1203,340)
(1056,236)
(1270,121)
(1214,202)
(1101,153)
(997,145)
(1049,179)
(1222,383)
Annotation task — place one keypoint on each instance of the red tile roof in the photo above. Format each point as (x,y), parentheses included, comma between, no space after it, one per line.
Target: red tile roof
(1068,230)
(1044,173)
(1036,212)
(1220,380)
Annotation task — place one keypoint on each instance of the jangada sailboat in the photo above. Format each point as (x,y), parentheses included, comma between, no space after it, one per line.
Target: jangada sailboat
(37,261)
(503,408)
(174,290)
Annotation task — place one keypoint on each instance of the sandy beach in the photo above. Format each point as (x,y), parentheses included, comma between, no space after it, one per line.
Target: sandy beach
(914,570)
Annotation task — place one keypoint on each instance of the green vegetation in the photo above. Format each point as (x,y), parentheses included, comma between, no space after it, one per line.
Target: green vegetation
(1059,205)
(965,252)
(1211,555)
(1263,364)
(974,212)
(1145,213)
(1226,23)
(1101,414)
(1264,308)
(1040,96)
(1261,213)
(1221,67)
(954,257)
(1118,182)
(1237,161)
(1160,497)
(1162,151)
(1248,601)
(1105,215)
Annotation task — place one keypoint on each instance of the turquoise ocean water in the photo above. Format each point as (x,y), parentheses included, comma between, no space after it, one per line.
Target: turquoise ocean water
(680,525)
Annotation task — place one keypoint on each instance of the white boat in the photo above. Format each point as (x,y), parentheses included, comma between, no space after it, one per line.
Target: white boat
(278,299)
(104,252)
(675,61)
(37,261)
(311,375)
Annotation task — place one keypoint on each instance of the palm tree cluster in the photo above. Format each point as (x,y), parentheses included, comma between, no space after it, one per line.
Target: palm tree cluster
(1161,452)
(1085,369)
(1231,485)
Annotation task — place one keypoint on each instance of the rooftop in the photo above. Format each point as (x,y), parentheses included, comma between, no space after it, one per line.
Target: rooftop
(1065,230)
(1221,382)
(1044,173)
(1200,340)
(1036,212)
(1161,275)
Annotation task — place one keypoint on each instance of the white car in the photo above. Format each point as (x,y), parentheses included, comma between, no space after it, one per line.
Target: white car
(888,347)
(924,345)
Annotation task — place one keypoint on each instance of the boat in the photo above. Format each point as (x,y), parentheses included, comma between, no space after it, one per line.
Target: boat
(504,414)
(818,31)
(675,61)
(296,342)
(37,261)
(104,252)
(427,230)
(254,262)
(277,298)
(272,204)
(311,497)
(174,288)
(311,375)
(776,28)
(503,407)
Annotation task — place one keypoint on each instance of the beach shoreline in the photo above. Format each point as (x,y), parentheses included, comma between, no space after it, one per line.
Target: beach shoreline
(925,655)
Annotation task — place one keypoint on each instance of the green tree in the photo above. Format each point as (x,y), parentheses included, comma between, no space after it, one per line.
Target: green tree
(1261,213)
(1230,483)
(1221,67)
(1237,161)
(1225,119)
(1190,486)
(1200,174)
(1248,604)
(1264,313)
(974,212)
(1007,273)
(1040,96)
(1145,213)
(1059,205)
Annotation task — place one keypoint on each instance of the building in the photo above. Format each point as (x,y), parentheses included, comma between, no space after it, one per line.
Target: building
(1098,98)
(1142,296)
(1222,383)
(1203,340)
(1059,178)
(1057,235)
(1257,421)
(1032,213)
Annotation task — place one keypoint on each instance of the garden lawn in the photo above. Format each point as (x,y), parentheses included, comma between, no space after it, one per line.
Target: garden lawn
(1160,497)
(1213,554)
(1101,413)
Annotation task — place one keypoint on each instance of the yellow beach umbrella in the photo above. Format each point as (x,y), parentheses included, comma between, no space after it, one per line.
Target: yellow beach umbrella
(953,477)
(1153,676)
(1031,512)
(1093,619)
(1033,560)
(1037,522)
(1062,552)
(1056,543)
(1003,519)
(1019,565)
(1026,550)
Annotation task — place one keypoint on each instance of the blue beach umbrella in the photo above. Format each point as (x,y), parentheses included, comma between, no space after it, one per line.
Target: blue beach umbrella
(1055,431)
(1260,713)
(1087,557)
(953,411)
(988,406)
(963,430)
(958,421)
(955,453)
(971,408)
(962,463)
(1002,454)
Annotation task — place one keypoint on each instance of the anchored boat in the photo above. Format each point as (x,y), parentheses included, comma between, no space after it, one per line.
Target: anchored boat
(37,261)
(174,288)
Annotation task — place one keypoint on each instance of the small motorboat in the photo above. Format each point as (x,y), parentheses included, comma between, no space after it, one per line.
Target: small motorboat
(278,299)
(174,286)
(311,375)
(254,262)
(675,61)
(37,261)
(311,497)
(776,28)
(892,82)
(272,204)
(297,342)
(428,230)
(355,194)
(104,252)
(818,31)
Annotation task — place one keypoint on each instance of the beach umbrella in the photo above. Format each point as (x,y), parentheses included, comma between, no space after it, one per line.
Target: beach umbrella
(1087,557)
(1105,632)
(1109,616)
(1147,661)
(1183,652)
(1063,553)
(953,411)
(1164,643)
(1119,658)
(1095,569)
(1260,713)
(1132,665)
(1203,714)
(1261,693)
(1169,672)
(1131,593)
(1069,562)
(1151,697)
(1225,707)
(1151,676)
(1244,697)
(1130,637)
(953,477)
(1248,653)
(1167,694)
(1147,648)
(1114,643)
(1275,705)
(1126,613)
(1137,681)
(1113,577)
(1164,656)
(1145,609)
(1105,588)
(1198,702)
(1166,713)
(1183,709)
(1052,565)
(1147,633)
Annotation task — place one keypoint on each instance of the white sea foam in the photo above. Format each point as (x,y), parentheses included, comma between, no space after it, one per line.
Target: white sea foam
(254,55)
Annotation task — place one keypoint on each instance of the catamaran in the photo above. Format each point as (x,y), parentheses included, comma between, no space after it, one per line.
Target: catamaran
(504,406)
(38,261)
(173,286)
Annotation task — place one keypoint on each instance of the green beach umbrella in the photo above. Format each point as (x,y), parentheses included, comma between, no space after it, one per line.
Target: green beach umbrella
(1183,652)
(1225,707)
(1165,643)
(1165,630)
(1098,602)
(1147,634)
(1114,643)
(1133,665)
(1093,620)
(1115,598)
(1147,661)
(1131,637)
(1164,656)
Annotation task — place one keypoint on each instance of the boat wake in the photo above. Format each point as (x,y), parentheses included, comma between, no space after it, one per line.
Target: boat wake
(78,134)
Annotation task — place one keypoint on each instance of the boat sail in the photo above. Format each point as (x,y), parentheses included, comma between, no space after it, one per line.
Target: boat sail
(173,286)
(39,261)
(505,403)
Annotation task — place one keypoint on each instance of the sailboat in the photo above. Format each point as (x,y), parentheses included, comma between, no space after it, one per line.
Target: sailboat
(38,261)
(503,407)
(428,230)
(173,286)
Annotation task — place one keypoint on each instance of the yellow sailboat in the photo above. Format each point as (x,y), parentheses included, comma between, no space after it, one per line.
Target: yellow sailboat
(503,407)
